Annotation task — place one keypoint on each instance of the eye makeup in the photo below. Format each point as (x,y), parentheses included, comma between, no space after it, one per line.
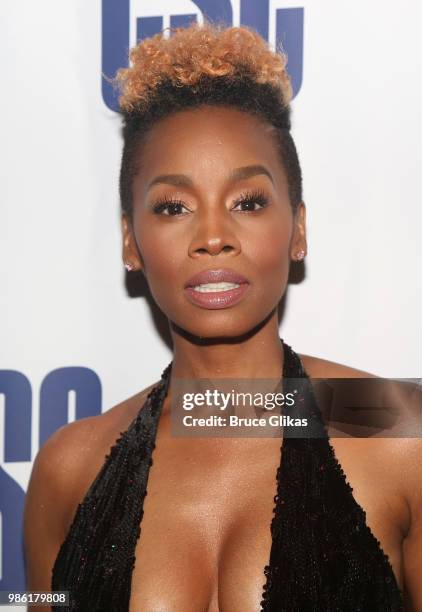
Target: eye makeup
(248,198)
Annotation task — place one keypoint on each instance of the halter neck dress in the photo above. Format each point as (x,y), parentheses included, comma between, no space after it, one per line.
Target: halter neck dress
(323,557)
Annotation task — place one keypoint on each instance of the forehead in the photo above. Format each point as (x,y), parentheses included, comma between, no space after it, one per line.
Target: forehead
(209,139)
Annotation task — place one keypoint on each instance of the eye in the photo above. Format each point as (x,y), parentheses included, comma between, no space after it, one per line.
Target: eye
(250,199)
(173,207)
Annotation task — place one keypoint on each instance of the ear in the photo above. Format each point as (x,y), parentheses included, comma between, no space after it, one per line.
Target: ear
(130,253)
(298,246)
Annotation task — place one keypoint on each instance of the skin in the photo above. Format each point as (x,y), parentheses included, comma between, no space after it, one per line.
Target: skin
(216,528)
(212,234)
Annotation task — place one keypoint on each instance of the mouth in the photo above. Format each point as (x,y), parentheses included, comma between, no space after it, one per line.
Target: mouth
(215,289)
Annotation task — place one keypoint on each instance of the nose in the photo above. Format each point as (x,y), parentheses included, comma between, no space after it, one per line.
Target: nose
(214,234)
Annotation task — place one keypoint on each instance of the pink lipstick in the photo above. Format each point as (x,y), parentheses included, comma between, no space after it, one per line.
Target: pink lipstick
(218,288)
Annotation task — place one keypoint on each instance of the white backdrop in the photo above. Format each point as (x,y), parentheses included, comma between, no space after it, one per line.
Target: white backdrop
(356,122)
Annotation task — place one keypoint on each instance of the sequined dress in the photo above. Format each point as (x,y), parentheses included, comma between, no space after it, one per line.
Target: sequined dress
(323,557)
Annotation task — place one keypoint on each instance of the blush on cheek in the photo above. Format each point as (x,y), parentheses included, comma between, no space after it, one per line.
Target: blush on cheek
(271,259)
(163,274)
(272,247)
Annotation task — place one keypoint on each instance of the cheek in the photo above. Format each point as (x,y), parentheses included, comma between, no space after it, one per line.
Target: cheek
(269,250)
(162,256)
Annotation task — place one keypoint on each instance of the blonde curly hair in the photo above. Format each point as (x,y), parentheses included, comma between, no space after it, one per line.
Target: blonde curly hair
(212,50)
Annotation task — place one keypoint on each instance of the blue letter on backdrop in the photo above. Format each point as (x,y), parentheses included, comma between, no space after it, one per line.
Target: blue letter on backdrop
(116,20)
(54,397)
(17,392)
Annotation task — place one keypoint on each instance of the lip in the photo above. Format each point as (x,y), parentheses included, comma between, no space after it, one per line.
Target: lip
(216,276)
(214,300)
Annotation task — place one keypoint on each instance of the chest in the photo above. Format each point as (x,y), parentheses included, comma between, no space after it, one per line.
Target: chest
(205,534)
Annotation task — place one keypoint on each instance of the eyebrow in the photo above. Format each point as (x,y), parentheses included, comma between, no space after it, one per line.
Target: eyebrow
(238,174)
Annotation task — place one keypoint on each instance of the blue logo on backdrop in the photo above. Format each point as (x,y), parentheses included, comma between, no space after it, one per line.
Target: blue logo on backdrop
(117,21)
(54,400)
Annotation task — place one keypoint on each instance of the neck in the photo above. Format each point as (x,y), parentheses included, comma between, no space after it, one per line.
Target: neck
(255,355)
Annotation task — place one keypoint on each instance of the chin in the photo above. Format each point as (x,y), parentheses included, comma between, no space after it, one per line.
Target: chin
(227,323)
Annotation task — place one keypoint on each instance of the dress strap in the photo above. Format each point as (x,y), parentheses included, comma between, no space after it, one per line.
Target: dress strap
(324,557)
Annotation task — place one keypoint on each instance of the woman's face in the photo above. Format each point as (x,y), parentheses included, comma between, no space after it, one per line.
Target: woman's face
(211,193)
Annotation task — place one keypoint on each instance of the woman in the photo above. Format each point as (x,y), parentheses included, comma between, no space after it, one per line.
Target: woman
(211,185)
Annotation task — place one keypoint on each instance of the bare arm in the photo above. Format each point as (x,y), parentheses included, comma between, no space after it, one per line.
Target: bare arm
(412,545)
(51,499)
(61,475)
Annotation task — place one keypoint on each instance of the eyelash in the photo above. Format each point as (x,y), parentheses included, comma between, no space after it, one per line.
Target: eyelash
(252,197)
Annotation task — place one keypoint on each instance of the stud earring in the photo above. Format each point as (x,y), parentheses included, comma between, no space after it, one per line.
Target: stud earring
(300,255)
(129,266)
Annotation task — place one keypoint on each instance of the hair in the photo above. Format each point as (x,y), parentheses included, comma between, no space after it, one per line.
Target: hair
(198,65)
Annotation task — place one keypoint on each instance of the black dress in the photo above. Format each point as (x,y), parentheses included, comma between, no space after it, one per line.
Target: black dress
(323,557)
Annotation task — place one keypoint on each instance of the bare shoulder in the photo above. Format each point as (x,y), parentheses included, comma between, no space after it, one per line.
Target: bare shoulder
(77,450)
(69,460)
(323,368)
(62,472)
